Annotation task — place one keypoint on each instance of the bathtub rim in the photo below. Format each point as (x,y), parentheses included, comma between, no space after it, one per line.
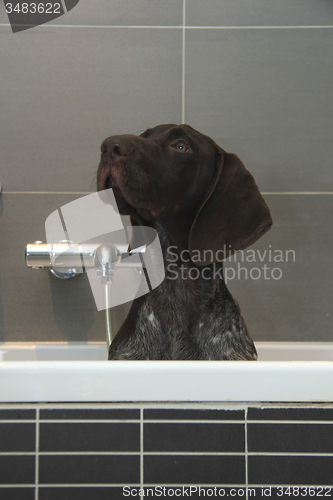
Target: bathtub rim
(166,381)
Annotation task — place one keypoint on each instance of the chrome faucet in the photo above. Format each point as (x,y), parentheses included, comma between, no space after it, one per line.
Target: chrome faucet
(66,260)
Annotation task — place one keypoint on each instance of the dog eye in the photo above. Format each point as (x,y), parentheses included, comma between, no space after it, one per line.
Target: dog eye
(180,146)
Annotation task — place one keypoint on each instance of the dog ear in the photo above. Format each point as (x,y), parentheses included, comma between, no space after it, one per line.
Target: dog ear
(232,216)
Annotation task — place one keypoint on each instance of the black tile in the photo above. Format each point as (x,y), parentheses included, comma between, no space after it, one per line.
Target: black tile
(289,492)
(194,469)
(190,492)
(17,493)
(90,414)
(194,437)
(302,438)
(89,469)
(17,469)
(17,437)
(17,414)
(290,470)
(188,414)
(89,437)
(290,414)
(81,493)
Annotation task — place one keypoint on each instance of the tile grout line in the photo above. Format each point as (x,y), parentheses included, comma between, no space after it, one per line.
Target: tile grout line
(117,485)
(37,456)
(246,456)
(213,406)
(168,453)
(141,449)
(183,61)
(139,453)
(257,27)
(225,406)
(84,26)
(48,192)
(197,422)
(307,193)
(291,193)
(178,422)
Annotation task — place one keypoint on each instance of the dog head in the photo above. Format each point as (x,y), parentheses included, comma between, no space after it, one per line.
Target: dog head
(204,197)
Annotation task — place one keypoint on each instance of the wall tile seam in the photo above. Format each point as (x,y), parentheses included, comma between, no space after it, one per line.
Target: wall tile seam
(296,193)
(18,486)
(175,422)
(178,405)
(32,421)
(70,453)
(37,453)
(84,193)
(74,453)
(122,453)
(145,405)
(291,406)
(135,422)
(152,485)
(197,422)
(291,422)
(93,422)
(101,26)
(141,448)
(47,193)
(179,27)
(183,61)
(69,485)
(194,453)
(289,454)
(260,27)
(17,453)
(166,453)
(246,450)
(119,485)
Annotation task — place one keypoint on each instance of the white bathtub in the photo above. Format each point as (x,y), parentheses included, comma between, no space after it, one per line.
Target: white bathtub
(61,372)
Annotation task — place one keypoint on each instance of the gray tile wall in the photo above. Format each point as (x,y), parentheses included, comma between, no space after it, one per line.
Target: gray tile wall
(256,76)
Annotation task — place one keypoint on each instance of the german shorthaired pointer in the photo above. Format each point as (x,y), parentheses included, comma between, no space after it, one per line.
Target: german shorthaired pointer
(205,206)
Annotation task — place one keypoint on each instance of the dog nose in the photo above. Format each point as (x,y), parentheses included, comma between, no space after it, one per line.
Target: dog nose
(117,146)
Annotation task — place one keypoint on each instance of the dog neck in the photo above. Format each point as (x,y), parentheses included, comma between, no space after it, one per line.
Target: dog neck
(178,256)
(176,231)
